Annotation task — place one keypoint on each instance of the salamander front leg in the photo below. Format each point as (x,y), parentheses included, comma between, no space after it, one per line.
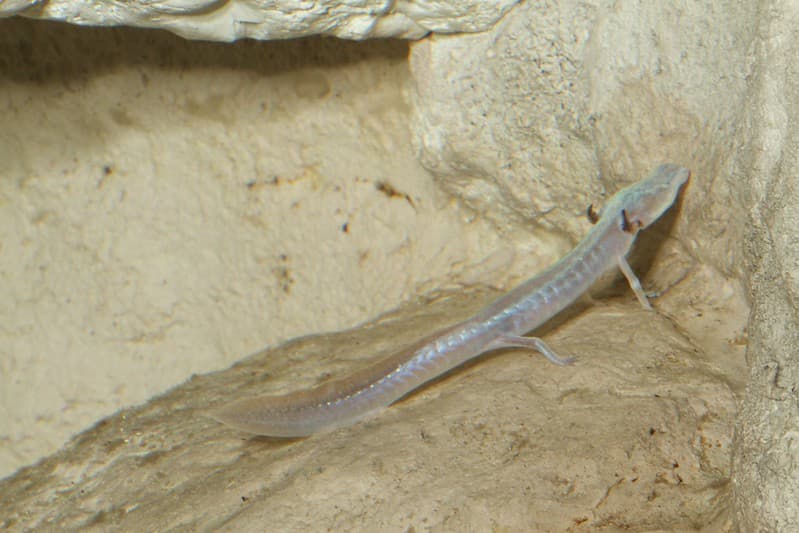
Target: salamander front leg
(514,341)
(635,285)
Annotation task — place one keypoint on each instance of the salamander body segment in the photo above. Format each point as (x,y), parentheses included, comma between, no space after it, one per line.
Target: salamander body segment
(501,324)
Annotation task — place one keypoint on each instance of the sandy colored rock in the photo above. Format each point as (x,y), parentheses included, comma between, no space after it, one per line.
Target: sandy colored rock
(283,19)
(766,467)
(172,206)
(560,102)
(634,435)
(555,108)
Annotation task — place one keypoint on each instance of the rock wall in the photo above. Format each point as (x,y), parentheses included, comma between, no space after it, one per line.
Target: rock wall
(284,19)
(554,107)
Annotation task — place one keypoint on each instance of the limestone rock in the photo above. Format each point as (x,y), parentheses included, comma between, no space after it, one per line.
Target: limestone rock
(634,435)
(766,467)
(285,19)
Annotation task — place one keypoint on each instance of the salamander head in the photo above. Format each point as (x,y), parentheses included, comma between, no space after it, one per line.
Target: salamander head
(641,204)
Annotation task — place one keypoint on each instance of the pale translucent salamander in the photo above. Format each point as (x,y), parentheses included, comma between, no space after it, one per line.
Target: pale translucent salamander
(499,325)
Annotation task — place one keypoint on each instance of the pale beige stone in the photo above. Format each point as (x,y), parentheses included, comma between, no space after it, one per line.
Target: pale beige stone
(169,207)
(766,467)
(555,108)
(281,19)
(634,435)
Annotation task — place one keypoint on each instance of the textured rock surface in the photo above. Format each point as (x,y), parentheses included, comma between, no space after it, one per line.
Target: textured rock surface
(767,445)
(282,19)
(635,436)
(552,110)
(171,206)
(535,117)
(626,85)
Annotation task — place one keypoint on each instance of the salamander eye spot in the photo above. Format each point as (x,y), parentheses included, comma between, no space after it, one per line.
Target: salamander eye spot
(630,226)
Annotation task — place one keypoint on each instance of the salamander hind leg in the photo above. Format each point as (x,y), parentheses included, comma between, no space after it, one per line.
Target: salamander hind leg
(514,341)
